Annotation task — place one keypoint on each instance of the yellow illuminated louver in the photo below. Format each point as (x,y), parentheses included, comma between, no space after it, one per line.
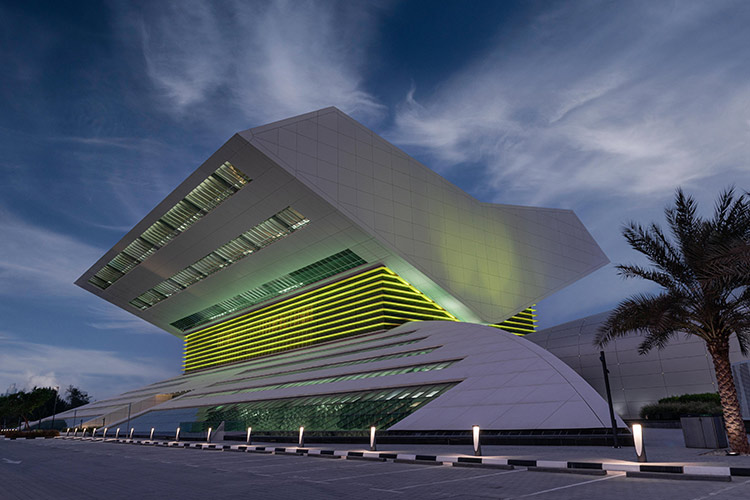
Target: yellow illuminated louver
(217,187)
(373,300)
(522,323)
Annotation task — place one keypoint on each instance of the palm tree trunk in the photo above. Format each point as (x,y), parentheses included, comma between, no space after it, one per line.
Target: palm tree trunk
(728,392)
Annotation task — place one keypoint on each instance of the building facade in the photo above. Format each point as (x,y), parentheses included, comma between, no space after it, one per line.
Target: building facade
(320,276)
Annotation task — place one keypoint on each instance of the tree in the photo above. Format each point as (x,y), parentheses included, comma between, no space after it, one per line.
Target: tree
(701,268)
(76,397)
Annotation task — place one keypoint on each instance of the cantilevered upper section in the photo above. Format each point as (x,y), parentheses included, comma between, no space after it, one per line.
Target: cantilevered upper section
(288,207)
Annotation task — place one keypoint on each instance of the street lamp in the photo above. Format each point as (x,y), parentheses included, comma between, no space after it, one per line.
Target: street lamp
(475,439)
(54,406)
(640,449)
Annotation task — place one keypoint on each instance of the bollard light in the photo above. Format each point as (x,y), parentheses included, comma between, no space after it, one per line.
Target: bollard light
(208,437)
(301,442)
(373,445)
(117,433)
(93,434)
(75,431)
(131,432)
(104,435)
(177,435)
(67,431)
(640,449)
(475,436)
(249,430)
(151,437)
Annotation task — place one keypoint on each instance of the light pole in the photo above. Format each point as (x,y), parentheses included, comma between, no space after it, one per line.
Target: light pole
(54,407)
(603,359)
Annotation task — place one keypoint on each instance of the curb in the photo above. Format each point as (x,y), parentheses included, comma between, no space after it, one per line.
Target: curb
(718,473)
(3,438)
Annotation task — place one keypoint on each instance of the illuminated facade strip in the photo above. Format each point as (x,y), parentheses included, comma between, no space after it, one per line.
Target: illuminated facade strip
(372,300)
(342,292)
(269,231)
(209,194)
(520,324)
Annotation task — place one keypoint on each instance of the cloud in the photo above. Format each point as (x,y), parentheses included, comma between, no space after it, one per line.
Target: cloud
(28,364)
(269,60)
(626,99)
(35,261)
(604,108)
(105,316)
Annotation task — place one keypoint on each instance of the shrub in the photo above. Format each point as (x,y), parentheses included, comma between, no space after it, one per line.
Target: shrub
(704,397)
(673,410)
(25,434)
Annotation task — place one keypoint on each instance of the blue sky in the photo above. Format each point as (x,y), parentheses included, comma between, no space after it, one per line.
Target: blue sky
(601,107)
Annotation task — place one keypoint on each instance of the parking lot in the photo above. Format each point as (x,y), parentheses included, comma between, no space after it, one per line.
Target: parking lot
(67,469)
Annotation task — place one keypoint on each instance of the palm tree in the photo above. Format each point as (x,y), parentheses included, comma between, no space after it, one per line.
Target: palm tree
(702,269)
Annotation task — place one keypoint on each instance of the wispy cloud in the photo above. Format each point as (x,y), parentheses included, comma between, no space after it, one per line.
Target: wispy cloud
(28,364)
(36,261)
(269,60)
(653,95)
(600,107)
(105,316)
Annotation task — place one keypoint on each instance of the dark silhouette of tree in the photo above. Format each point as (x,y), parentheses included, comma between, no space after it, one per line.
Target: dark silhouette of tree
(701,267)
(38,403)
(76,397)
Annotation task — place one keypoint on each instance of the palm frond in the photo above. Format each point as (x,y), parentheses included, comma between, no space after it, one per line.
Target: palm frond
(660,278)
(657,317)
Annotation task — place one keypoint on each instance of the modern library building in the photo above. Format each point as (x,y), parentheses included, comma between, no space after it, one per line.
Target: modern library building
(320,277)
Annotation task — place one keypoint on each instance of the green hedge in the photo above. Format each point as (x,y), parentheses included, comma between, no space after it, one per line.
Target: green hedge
(704,397)
(25,434)
(672,408)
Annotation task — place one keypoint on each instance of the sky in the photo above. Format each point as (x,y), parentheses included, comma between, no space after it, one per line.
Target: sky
(105,107)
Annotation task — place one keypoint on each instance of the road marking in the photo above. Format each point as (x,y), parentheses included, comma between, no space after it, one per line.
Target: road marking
(714,493)
(389,491)
(570,486)
(375,474)
(9,461)
(461,479)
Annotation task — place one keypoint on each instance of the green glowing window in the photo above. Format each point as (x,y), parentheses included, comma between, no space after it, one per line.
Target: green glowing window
(355,411)
(304,276)
(209,194)
(343,363)
(272,229)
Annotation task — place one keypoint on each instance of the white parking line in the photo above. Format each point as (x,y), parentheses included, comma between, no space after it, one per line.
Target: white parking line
(324,481)
(613,476)
(461,479)
(717,492)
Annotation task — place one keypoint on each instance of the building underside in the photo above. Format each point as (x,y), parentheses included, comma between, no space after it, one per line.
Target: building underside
(321,277)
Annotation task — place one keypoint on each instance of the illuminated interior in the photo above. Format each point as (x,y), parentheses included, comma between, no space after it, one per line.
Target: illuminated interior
(209,194)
